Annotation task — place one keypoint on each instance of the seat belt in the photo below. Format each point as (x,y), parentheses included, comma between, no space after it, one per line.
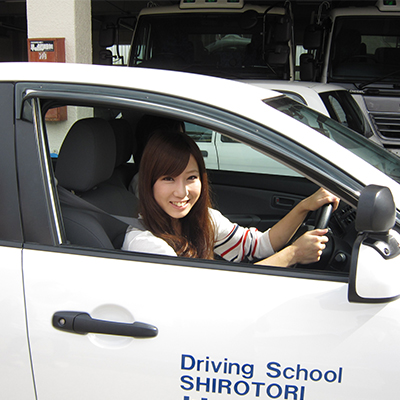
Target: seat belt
(70,199)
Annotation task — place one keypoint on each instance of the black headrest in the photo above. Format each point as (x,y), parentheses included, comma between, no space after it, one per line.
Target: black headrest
(124,140)
(87,155)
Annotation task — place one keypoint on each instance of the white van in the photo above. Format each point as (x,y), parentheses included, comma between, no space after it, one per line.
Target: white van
(241,41)
(359,48)
(224,38)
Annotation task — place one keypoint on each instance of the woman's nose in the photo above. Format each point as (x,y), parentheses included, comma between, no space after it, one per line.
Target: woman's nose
(181,190)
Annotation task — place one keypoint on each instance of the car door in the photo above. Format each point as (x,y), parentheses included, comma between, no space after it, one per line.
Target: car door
(268,197)
(210,329)
(16,380)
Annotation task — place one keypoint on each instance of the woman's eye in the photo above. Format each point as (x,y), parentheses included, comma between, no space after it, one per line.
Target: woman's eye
(193,177)
(167,178)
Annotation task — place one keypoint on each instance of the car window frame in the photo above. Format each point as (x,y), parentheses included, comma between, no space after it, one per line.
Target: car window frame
(278,146)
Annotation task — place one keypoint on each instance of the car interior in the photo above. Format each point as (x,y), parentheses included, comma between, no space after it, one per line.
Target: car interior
(97,158)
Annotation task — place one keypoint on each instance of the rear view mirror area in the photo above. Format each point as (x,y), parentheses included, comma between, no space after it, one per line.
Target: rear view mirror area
(375,265)
(376,210)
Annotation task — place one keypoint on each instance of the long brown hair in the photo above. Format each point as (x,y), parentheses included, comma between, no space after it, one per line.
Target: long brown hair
(168,153)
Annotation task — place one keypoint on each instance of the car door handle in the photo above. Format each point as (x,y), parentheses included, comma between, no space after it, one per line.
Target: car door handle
(204,153)
(82,323)
(283,202)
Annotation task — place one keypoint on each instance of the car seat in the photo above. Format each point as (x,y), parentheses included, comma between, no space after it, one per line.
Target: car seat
(125,146)
(85,163)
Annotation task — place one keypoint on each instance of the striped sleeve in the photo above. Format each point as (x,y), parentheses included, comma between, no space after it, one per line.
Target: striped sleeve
(236,243)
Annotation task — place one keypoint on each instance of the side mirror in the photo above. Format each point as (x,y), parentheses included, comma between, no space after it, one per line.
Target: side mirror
(283,30)
(313,35)
(105,57)
(278,55)
(376,210)
(307,67)
(375,262)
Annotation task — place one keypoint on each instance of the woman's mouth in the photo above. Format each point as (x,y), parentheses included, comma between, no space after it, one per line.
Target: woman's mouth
(179,204)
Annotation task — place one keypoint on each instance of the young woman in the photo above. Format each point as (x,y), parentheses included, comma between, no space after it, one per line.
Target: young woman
(178,220)
(146,127)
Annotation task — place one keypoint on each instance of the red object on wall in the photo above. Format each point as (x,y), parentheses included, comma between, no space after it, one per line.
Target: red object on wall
(49,50)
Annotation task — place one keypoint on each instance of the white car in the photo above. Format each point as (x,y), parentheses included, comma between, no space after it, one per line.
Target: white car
(332,100)
(221,152)
(83,319)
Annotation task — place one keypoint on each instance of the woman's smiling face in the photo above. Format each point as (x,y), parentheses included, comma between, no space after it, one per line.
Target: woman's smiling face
(177,195)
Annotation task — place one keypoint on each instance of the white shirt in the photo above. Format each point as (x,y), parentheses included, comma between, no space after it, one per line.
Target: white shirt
(232,242)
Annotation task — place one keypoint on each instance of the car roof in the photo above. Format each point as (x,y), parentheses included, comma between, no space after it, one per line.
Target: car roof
(185,85)
(236,97)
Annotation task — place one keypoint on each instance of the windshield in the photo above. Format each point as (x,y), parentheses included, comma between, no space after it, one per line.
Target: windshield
(366,49)
(231,45)
(385,161)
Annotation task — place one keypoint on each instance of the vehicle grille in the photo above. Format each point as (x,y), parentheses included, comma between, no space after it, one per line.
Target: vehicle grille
(388,124)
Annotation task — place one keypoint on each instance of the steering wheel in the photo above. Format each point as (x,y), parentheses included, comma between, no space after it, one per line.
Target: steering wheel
(321,222)
(323,215)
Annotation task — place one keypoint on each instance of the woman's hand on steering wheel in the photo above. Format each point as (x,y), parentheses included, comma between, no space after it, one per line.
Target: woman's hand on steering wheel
(319,199)
(308,248)
(313,243)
